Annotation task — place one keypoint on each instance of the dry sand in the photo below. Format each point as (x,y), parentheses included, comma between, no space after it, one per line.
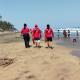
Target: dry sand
(38,64)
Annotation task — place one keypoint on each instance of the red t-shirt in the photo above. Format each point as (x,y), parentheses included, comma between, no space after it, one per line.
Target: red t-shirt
(25,31)
(36,33)
(49,33)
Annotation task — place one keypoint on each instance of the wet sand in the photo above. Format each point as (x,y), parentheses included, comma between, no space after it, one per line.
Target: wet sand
(68,42)
(76,53)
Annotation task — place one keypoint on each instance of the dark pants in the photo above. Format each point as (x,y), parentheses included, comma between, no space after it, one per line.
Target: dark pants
(26,38)
(49,39)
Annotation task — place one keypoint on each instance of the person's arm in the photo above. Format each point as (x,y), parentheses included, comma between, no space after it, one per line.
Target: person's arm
(45,33)
(21,32)
(32,34)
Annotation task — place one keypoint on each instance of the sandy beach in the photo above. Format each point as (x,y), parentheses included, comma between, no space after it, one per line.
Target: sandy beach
(20,63)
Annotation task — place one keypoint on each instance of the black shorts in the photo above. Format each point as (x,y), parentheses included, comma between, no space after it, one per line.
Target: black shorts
(36,38)
(49,39)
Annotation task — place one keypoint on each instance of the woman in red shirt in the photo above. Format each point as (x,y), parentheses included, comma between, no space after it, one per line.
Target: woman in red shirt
(48,36)
(25,33)
(36,34)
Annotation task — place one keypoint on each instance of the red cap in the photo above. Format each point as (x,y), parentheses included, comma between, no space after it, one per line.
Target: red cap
(36,25)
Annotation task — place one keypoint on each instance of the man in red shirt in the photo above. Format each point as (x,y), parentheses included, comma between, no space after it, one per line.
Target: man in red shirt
(48,36)
(25,33)
(36,35)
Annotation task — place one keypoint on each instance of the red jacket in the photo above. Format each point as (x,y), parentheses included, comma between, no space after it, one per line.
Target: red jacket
(25,31)
(49,33)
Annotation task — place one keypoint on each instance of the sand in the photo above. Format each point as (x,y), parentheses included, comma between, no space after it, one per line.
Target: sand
(38,63)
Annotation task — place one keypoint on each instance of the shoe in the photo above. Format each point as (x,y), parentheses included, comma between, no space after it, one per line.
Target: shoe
(46,47)
(51,47)
(29,46)
(35,46)
(39,46)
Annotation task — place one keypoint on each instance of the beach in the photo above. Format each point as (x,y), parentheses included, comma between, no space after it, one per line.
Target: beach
(36,63)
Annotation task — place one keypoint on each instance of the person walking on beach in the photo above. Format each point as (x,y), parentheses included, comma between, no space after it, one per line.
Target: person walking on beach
(25,33)
(49,36)
(36,35)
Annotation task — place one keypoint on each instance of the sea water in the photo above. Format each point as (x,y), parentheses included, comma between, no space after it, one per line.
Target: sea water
(67,42)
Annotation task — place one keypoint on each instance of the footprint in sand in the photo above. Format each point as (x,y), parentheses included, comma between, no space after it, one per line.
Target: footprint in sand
(26,75)
(62,76)
(18,78)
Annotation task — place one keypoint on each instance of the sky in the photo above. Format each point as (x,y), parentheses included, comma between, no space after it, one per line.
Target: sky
(57,13)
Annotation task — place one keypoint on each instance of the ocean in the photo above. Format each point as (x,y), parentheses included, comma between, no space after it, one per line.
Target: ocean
(67,42)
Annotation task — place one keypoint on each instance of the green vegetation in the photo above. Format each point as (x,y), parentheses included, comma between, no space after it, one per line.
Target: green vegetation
(6,26)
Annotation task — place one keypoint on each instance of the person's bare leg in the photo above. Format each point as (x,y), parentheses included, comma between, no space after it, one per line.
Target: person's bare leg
(33,41)
(36,44)
(48,44)
(51,45)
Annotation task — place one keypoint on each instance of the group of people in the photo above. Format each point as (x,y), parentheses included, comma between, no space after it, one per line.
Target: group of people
(66,34)
(35,34)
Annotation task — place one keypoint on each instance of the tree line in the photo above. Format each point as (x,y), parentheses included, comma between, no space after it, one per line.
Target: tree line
(6,26)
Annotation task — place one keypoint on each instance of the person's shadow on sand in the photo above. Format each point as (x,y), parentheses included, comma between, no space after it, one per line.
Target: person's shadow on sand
(50,47)
(38,46)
